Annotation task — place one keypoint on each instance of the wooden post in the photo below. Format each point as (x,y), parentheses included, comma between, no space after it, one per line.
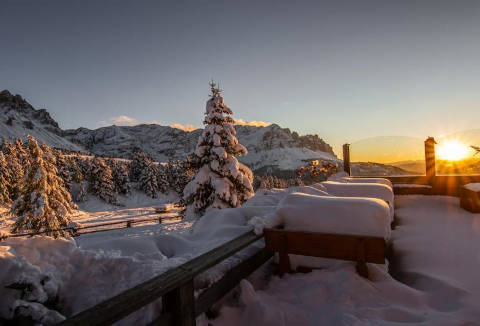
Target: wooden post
(430,159)
(180,304)
(362,269)
(346,158)
(283,259)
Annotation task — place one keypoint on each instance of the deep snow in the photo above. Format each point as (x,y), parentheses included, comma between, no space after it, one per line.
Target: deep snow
(436,247)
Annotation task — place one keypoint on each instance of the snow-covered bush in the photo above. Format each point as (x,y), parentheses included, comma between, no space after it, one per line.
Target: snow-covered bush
(220,181)
(101,181)
(44,202)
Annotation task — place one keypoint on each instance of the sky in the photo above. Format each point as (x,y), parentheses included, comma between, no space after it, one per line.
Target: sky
(345,70)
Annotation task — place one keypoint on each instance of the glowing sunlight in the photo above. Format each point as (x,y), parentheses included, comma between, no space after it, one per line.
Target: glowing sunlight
(453,150)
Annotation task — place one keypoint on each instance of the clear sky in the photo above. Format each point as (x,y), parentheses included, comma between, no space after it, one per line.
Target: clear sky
(345,70)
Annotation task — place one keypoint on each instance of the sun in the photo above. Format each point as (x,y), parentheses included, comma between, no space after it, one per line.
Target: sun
(453,150)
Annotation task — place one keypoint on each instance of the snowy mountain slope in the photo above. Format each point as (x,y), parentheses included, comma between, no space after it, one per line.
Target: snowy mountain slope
(270,147)
(18,119)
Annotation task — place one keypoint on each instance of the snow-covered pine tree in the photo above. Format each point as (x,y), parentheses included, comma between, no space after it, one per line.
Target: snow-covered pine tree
(220,181)
(148,179)
(178,175)
(120,173)
(162,180)
(63,167)
(22,155)
(101,181)
(15,168)
(4,176)
(139,162)
(44,203)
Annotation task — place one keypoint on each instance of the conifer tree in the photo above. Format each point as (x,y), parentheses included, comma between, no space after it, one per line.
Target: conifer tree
(148,179)
(162,180)
(20,152)
(44,203)
(139,163)
(15,168)
(178,175)
(220,181)
(120,173)
(101,181)
(4,176)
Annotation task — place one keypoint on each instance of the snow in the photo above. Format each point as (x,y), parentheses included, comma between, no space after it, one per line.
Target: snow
(371,190)
(435,261)
(472,186)
(436,279)
(337,215)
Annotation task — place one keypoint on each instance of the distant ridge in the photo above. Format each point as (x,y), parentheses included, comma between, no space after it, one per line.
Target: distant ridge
(270,147)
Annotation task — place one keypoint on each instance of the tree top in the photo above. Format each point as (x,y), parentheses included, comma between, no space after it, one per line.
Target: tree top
(214,89)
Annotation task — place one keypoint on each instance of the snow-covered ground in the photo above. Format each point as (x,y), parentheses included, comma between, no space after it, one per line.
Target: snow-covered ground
(435,264)
(436,250)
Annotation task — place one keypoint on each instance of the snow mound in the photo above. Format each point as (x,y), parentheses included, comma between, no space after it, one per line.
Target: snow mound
(368,190)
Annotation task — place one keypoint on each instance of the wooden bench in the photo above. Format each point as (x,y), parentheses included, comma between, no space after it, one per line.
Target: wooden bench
(361,249)
(470,199)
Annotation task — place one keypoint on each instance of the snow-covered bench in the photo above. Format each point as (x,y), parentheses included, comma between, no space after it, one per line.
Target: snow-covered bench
(361,249)
(329,227)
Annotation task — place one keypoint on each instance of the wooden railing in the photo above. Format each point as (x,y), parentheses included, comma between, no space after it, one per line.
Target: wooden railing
(79,230)
(176,288)
(438,184)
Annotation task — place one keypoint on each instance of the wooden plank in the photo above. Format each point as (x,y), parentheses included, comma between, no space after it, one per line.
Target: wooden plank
(123,304)
(215,292)
(336,246)
(180,304)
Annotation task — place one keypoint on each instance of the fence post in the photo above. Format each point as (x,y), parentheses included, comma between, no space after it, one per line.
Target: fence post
(180,303)
(430,159)
(346,158)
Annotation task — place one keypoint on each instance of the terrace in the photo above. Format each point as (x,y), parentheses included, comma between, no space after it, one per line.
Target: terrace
(432,259)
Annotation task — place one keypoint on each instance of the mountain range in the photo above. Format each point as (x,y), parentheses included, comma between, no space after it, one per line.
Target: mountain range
(270,148)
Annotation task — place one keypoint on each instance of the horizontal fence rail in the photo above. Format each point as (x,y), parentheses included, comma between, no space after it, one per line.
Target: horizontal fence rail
(77,230)
(176,288)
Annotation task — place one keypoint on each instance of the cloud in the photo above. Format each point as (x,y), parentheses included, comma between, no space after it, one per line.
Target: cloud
(255,123)
(187,127)
(121,120)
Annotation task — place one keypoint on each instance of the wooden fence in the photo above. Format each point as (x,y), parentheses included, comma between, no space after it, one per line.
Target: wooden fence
(175,287)
(437,184)
(98,227)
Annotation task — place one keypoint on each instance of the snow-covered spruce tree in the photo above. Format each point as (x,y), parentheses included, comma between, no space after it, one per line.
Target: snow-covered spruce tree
(162,180)
(22,155)
(44,203)
(101,181)
(120,173)
(4,176)
(178,175)
(64,168)
(15,175)
(221,181)
(139,162)
(148,179)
